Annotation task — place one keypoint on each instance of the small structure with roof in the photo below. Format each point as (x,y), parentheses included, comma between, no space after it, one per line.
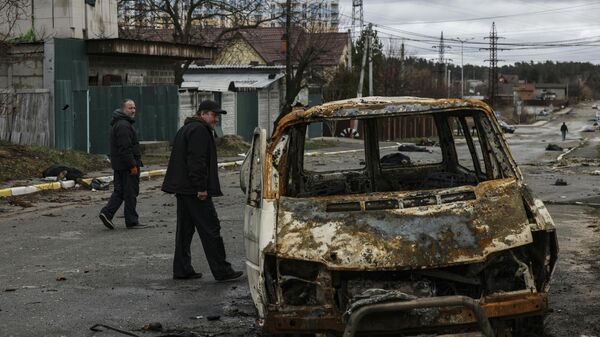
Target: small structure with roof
(252,95)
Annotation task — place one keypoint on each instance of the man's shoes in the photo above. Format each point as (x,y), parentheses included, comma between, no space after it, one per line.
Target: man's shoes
(138,226)
(230,276)
(188,276)
(106,221)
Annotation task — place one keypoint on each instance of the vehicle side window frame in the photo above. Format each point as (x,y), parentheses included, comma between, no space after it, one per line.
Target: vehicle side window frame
(470,143)
(255,179)
(492,169)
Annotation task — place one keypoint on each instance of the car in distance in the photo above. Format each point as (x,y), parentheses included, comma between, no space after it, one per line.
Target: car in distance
(506,128)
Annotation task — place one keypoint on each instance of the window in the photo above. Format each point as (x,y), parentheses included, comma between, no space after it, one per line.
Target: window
(475,148)
(255,176)
(403,141)
(388,154)
(347,153)
(341,171)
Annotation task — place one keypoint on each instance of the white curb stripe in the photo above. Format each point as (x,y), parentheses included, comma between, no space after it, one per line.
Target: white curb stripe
(7,192)
(23,190)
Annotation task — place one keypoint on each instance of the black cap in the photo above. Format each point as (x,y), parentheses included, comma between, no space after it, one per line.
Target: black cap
(213,106)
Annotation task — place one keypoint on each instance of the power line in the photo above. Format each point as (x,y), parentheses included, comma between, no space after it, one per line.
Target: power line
(494,17)
(493,70)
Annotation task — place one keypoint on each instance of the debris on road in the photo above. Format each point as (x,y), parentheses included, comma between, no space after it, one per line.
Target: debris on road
(426,142)
(412,148)
(61,172)
(96,328)
(213,318)
(20,202)
(61,278)
(553,147)
(560,182)
(155,326)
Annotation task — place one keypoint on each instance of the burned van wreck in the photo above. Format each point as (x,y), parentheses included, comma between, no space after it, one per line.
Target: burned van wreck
(444,241)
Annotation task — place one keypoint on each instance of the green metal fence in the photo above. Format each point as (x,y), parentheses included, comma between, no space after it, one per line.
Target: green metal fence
(82,114)
(156,113)
(247,114)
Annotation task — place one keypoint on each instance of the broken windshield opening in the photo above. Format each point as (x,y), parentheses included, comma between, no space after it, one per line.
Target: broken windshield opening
(398,153)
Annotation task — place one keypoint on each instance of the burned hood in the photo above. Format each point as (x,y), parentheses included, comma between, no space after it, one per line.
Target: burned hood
(404,230)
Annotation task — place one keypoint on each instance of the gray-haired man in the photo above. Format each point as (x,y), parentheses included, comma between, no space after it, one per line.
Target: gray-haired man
(125,159)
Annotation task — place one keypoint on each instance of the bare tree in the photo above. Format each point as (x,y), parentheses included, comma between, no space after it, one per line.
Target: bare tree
(184,19)
(307,40)
(306,37)
(10,12)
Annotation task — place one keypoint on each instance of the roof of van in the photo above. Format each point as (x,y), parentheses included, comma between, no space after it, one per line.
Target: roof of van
(378,106)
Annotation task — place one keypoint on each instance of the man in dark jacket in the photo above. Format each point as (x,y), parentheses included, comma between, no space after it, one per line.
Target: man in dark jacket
(125,159)
(193,176)
(563,130)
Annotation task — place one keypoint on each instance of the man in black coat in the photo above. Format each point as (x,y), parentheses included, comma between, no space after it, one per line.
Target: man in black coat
(563,130)
(193,176)
(125,159)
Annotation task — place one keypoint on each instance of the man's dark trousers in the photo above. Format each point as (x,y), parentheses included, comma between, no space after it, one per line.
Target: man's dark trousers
(127,188)
(195,214)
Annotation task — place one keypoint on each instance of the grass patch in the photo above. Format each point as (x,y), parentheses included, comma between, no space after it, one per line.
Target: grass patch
(231,146)
(320,144)
(25,161)
(156,159)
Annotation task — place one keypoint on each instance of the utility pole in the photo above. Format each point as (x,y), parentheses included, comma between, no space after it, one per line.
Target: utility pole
(350,49)
(449,77)
(357,15)
(288,53)
(462,66)
(493,70)
(370,62)
(364,61)
(442,61)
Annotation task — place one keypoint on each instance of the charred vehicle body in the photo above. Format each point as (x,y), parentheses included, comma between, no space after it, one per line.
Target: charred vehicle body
(445,241)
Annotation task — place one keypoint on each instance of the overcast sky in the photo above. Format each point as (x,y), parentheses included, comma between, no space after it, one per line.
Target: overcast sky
(532,27)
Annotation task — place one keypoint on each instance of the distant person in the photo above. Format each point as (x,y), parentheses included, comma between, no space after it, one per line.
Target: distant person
(126,160)
(564,130)
(192,175)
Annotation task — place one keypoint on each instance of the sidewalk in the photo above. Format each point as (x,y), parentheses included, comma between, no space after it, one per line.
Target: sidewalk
(66,184)
(553,116)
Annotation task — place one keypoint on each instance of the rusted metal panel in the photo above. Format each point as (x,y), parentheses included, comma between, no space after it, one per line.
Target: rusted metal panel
(494,228)
(415,237)
(328,319)
(149,48)
(379,106)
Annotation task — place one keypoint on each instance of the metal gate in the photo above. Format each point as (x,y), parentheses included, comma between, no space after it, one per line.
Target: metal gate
(156,113)
(247,114)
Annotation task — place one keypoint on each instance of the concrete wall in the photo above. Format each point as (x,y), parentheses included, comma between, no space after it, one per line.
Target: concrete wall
(268,106)
(23,67)
(187,104)
(66,19)
(229,121)
(136,70)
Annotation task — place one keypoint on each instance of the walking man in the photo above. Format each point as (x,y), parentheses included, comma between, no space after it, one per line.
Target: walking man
(564,130)
(125,159)
(193,176)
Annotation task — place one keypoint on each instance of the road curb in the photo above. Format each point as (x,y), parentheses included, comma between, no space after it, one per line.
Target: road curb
(581,143)
(66,184)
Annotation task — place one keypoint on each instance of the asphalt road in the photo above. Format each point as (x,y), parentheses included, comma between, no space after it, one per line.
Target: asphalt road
(62,271)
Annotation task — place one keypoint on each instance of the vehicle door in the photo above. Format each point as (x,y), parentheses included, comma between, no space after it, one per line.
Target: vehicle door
(251,179)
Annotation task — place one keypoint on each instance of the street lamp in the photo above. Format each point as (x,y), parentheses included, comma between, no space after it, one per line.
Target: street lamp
(462,67)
